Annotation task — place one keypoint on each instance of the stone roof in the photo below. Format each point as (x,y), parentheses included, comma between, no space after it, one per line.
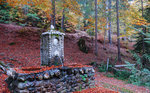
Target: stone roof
(53,32)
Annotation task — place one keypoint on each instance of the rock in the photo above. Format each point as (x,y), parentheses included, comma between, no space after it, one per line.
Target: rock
(44,90)
(38,83)
(11,72)
(69,78)
(90,74)
(86,69)
(49,89)
(47,92)
(21,86)
(13,85)
(81,71)
(46,75)
(29,84)
(46,83)
(38,88)
(64,73)
(9,80)
(58,85)
(92,78)
(57,72)
(72,90)
(63,79)
(87,80)
(83,86)
(30,77)
(76,71)
(77,75)
(39,76)
(69,88)
(64,68)
(78,80)
(93,71)
(77,88)
(51,73)
(82,45)
(59,89)
(23,91)
(73,78)
(21,78)
(38,92)
(31,89)
(64,91)
(54,92)
(69,71)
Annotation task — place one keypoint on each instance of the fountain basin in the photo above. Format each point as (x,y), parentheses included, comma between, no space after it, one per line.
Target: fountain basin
(54,79)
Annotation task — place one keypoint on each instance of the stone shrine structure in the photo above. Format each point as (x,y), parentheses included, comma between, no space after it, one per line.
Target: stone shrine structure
(48,78)
(52,47)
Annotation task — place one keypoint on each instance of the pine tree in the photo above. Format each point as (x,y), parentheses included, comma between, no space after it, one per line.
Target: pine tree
(144,53)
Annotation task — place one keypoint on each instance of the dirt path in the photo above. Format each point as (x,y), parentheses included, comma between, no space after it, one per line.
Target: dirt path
(118,85)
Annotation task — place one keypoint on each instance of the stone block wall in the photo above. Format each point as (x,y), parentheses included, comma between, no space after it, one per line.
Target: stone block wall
(56,80)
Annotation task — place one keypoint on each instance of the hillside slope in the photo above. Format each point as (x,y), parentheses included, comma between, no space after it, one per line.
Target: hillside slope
(21,47)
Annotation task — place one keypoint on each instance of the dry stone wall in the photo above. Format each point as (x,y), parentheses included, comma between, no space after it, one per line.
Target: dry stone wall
(57,80)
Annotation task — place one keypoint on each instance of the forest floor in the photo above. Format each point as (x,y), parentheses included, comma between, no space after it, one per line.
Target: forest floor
(21,47)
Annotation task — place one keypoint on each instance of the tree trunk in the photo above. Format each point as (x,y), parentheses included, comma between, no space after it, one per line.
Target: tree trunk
(53,13)
(96,47)
(144,31)
(26,9)
(118,33)
(109,18)
(125,38)
(62,21)
(105,30)
(142,7)
(143,28)
(84,22)
(106,2)
(104,39)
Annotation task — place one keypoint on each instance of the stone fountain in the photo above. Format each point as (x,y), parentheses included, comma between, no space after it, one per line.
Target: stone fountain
(52,47)
(52,76)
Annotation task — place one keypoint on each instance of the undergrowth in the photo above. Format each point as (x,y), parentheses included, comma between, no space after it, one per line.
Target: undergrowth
(132,75)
